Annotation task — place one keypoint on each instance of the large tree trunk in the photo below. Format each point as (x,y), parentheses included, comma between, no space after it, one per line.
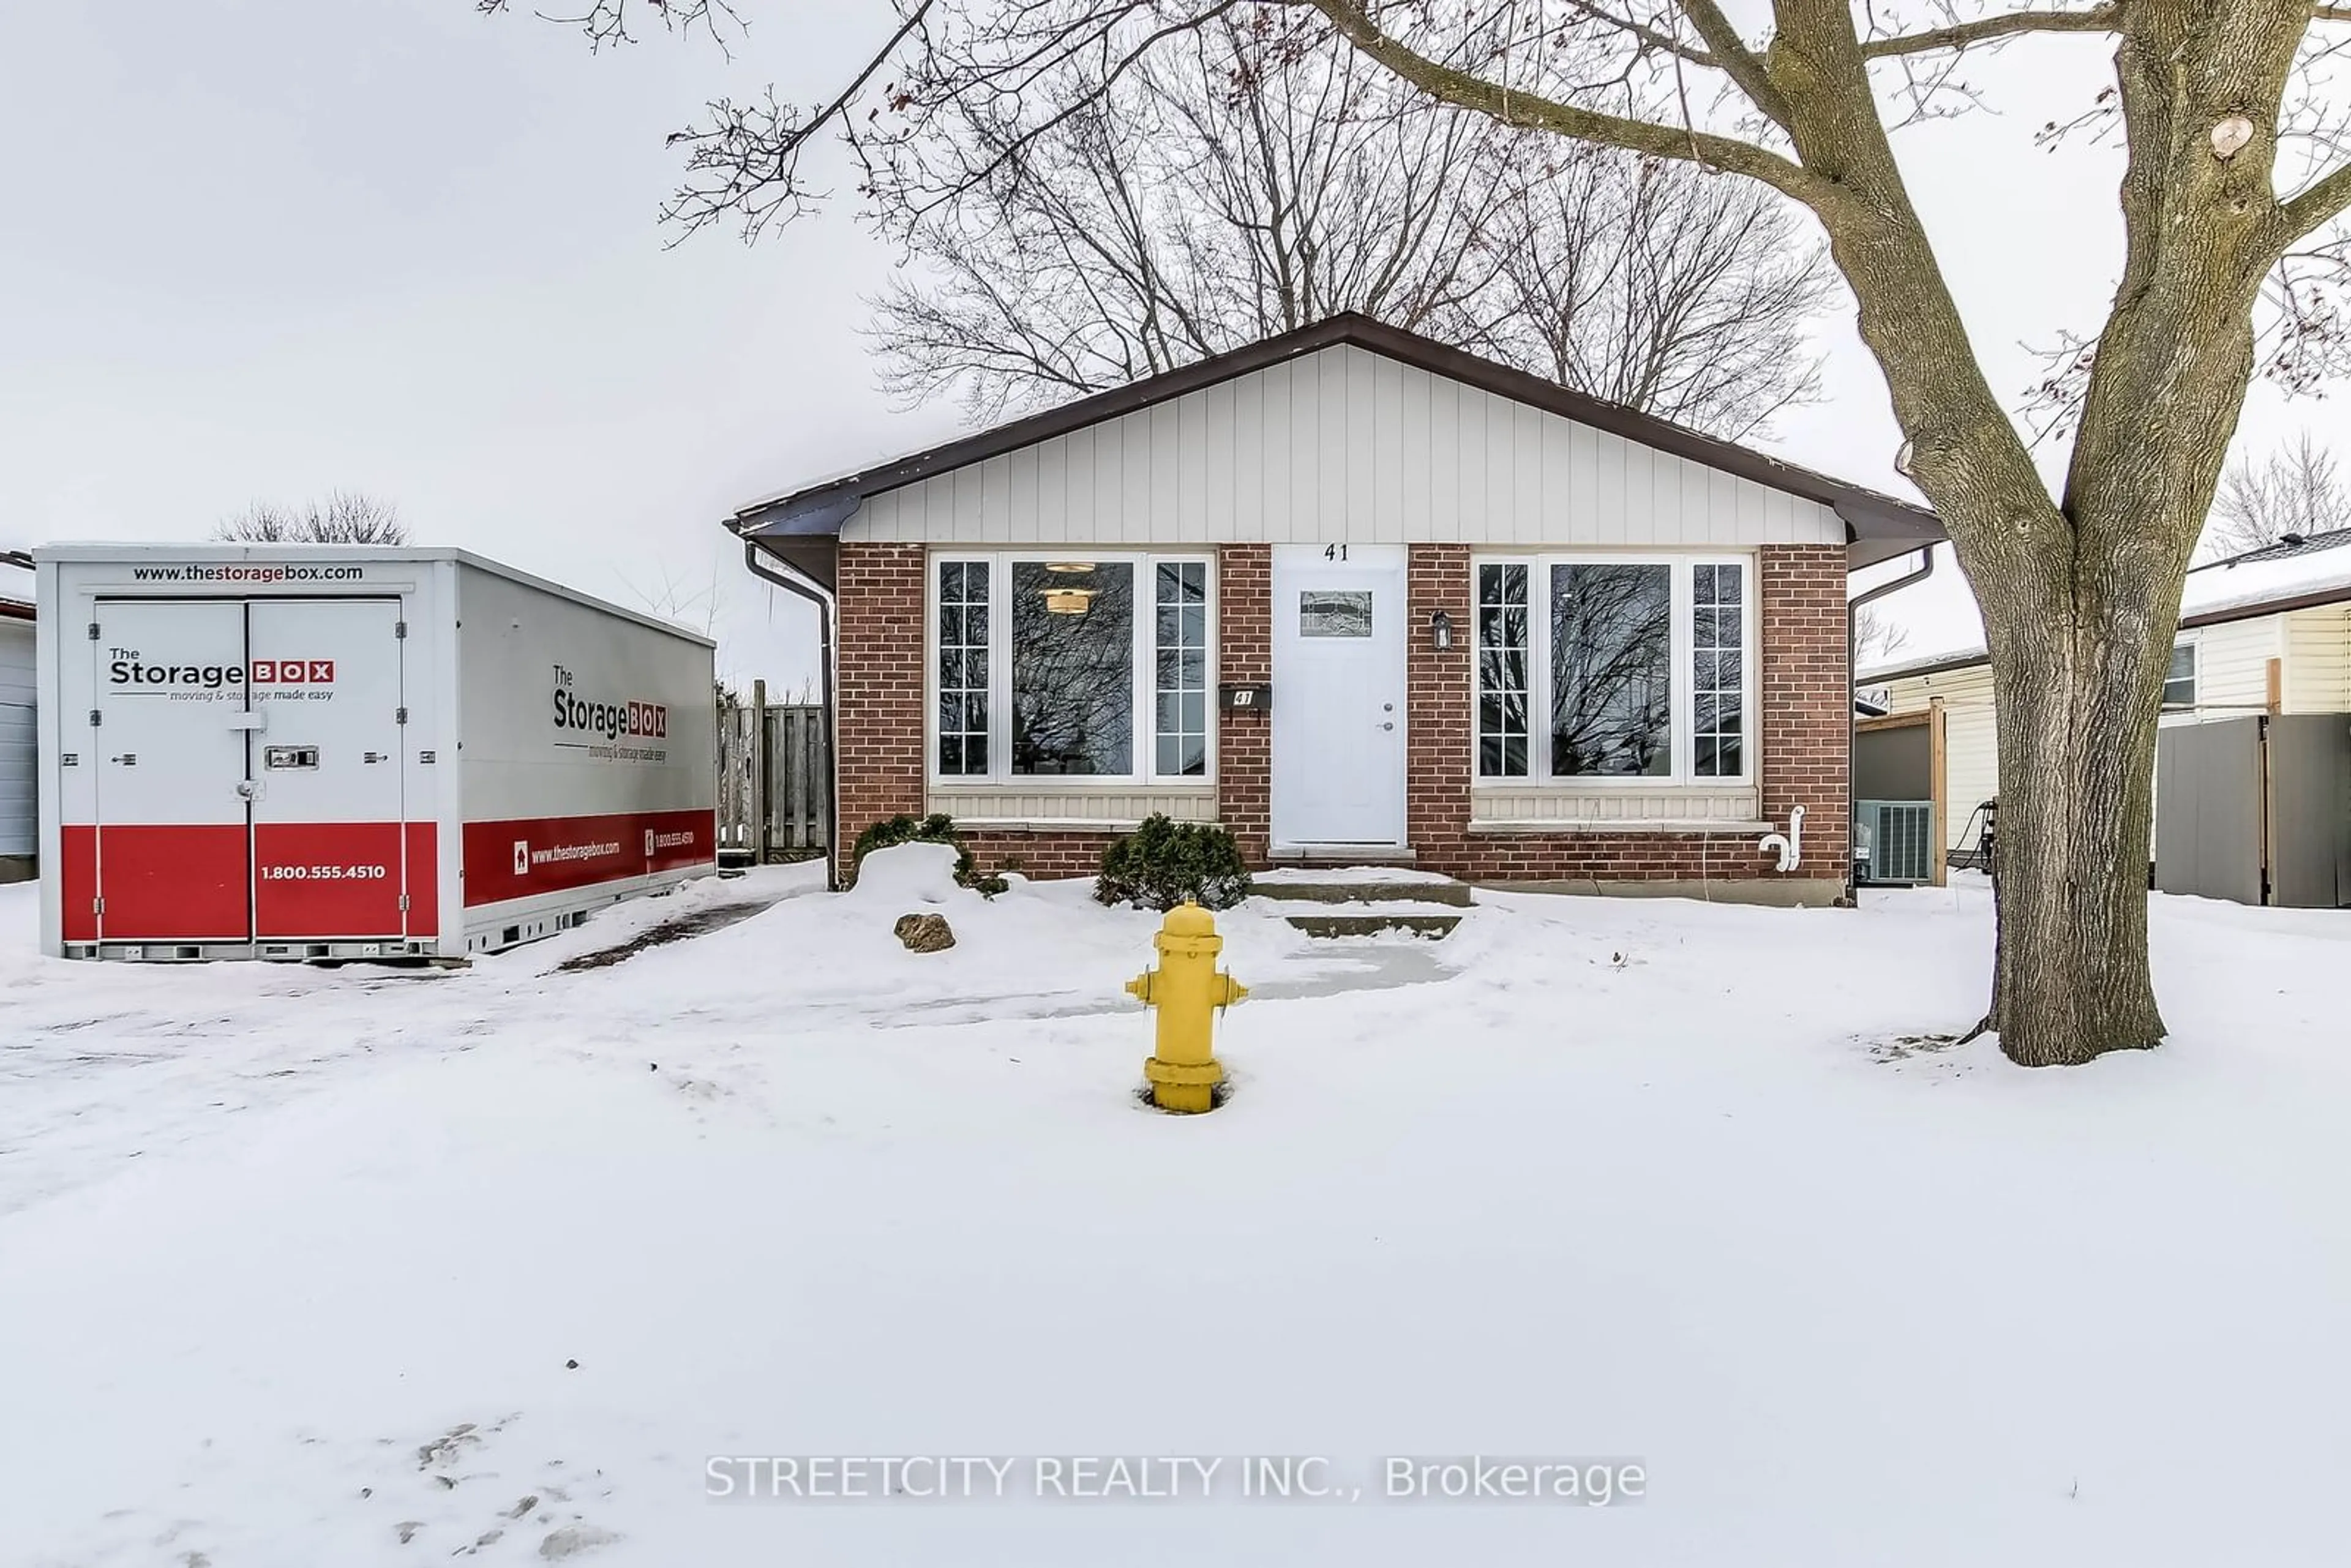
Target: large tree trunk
(2077,705)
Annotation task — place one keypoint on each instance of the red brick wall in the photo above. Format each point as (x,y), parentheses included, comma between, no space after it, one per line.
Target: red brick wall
(878,729)
(1036,854)
(1806,690)
(1802,687)
(1245,655)
(1437,717)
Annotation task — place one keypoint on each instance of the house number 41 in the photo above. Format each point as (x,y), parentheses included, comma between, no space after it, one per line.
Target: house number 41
(1334,552)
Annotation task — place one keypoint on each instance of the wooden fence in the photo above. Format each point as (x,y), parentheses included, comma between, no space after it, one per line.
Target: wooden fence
(773,780)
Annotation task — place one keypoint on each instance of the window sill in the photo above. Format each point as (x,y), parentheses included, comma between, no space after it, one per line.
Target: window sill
(1067,805)
(1071,784)
(1677,825)
(1048,824)
(1603,787)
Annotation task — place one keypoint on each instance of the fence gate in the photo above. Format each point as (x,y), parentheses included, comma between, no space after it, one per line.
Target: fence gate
(773,780)
(2256,809)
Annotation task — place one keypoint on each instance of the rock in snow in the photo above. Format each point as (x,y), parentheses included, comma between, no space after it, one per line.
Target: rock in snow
(572,1540)
(925,933)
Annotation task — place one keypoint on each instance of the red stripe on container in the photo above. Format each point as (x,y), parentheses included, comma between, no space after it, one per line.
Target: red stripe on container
(524,857)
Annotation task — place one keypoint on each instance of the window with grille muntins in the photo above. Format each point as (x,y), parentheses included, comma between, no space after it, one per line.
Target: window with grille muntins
(963,668)
(1717,670)
(1071,665)
(1641,670)
(1503,671)
(1181,637)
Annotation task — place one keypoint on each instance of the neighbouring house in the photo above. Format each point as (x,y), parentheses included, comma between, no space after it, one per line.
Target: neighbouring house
(19,801)
(2253,758)
(1359,597)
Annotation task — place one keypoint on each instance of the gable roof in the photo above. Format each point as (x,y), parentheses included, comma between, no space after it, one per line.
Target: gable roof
(2298,572)
(818,510)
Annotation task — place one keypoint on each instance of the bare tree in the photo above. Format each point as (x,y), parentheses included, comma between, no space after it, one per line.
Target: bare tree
(1220,192)
(2296,491)
(2232,124)
(344,517)
(1876,639)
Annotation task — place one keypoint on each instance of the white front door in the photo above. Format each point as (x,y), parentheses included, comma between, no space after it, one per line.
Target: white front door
(1339,633)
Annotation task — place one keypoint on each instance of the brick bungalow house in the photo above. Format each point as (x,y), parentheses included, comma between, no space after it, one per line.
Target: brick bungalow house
(1359,597)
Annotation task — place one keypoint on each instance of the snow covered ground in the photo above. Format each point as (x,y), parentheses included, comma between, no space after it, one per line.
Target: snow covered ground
(295,1264)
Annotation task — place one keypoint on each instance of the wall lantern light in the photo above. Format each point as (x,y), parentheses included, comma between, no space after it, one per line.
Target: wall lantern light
(1440,630)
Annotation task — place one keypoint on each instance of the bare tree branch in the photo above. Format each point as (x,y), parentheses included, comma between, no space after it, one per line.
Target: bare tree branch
(2319,203)
(752,155)
(1224,192)
(2296,493)
(344,517)
(1536,112)
(1989,29)
(1731,56)
(610,23)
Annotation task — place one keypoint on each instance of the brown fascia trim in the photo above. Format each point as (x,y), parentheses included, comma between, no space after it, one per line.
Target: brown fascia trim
(10,610)
(2317,599)
(821,508)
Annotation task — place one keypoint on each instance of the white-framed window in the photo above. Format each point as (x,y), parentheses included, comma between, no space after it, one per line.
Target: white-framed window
(1610,670)
(1070,665)
(2179,680)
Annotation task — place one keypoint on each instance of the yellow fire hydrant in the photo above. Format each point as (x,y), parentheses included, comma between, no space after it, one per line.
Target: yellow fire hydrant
(1185,988)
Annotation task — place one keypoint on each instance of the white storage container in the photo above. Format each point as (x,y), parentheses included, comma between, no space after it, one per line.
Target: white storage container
(320,751)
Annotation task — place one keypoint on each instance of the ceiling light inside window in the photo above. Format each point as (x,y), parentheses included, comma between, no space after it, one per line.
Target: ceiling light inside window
(1069,568)
(1069,600)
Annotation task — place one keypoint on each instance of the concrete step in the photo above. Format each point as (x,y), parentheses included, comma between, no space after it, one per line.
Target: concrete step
(1318,890)
(1429,923)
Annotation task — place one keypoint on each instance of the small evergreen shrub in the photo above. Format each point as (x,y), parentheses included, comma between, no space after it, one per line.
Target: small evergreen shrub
(1163,862)
(938,828)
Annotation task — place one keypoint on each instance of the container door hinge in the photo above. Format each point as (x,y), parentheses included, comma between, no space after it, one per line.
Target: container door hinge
(98,906)
(403,904)
(93,630)
(398,630)
(96,718)
(400,715)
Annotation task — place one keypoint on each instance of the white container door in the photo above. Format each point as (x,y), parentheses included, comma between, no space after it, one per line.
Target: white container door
(1338,695)
(165,743)
(329,844)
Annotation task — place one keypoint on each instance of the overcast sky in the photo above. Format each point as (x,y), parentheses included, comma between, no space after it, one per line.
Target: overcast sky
(262,248)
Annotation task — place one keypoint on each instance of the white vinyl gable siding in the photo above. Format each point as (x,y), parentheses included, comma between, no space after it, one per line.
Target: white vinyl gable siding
(2232,667)
(19,801)
(2318,659)
(1342,445)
